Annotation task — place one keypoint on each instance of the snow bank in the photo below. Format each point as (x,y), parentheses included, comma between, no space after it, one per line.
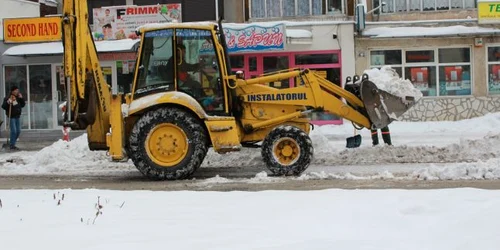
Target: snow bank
(61,157)
(482,170)
(387,79)
(325,219)
(327,154)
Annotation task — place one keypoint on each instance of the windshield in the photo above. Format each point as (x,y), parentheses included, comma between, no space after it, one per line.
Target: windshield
(155,73)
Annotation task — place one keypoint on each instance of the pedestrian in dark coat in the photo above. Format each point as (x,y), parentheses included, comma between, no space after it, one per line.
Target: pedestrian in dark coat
(13,104)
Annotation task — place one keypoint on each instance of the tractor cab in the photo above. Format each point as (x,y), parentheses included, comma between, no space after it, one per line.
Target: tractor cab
(184,60)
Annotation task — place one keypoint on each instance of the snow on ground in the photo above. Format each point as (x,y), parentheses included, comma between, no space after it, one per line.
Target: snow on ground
(422,150)
(60,157)
(326,219)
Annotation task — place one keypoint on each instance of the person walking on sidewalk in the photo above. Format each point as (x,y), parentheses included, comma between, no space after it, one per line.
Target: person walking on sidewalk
(386,136)
(13,104)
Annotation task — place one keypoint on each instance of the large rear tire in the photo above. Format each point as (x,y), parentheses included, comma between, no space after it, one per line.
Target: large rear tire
(287,150)
(168,144)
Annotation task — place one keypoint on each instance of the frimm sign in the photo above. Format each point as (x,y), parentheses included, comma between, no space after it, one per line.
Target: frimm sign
(36,29)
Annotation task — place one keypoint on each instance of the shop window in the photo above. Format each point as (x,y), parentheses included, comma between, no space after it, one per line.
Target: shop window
(40,100)
(305,59)
(386,57)
(237,61)
(423,78)
(125,75)
(454,80)
(252,63)
(273,64)
(420,56)
(494,70)
(17,76)
(332,75)
(454,55)
(449,75)
(61,93)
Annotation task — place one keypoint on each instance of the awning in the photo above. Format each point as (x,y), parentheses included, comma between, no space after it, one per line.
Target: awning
(298,33)
(457,30)
(56,48)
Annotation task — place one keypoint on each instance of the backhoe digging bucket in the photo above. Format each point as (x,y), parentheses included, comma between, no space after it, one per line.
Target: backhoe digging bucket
(382,107)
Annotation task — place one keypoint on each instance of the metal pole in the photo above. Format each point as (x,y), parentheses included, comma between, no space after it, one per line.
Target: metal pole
(68,97)
(216,9)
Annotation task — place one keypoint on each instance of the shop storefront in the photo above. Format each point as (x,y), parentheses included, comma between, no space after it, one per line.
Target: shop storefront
(37,70)
(456,68)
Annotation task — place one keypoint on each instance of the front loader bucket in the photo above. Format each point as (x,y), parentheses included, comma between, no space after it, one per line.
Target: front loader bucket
(382,107)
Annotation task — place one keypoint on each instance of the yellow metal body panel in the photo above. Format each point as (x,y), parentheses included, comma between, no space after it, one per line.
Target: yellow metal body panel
(225,134)
(116,135)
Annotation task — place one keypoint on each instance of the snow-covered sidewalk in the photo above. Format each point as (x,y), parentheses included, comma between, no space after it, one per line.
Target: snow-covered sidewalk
(328,219)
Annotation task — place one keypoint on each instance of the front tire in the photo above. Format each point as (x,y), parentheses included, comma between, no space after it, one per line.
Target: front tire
(287,150)
(168,144)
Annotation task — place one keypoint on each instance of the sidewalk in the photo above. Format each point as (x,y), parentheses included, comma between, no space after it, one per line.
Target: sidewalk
(26,145)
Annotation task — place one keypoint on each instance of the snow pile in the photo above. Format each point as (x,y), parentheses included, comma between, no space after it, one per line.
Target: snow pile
(327,153)
(482,170)
(387,79)
(325,219)
(62,156)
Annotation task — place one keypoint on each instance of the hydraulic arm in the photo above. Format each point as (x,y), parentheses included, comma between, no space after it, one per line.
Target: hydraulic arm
(315,92)
(88,105)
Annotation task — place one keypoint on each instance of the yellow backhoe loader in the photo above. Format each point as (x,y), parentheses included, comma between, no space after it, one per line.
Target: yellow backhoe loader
(185,99)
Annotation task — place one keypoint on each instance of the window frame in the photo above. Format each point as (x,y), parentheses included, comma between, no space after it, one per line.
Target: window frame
(487,68)
(324,10)
(421,6)
(435,64)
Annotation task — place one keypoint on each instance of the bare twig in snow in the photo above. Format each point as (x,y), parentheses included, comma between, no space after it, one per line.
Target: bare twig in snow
(0,203)
(122,204)
(98,207)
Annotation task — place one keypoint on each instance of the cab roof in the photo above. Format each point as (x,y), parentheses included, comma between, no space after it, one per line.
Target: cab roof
(159,26)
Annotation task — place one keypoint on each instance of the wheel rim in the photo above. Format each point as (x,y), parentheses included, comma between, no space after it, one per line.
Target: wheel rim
(167,145)
(286,151)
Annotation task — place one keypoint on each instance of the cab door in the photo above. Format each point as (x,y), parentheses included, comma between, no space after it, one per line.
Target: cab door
(196,56)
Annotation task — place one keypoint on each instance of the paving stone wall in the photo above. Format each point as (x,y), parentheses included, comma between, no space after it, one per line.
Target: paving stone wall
(452,109)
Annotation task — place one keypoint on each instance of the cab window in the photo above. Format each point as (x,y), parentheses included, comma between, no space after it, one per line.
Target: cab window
(155,73)
(197,67)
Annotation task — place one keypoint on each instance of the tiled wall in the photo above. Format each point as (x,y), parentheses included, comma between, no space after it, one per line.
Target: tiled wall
(452,109)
